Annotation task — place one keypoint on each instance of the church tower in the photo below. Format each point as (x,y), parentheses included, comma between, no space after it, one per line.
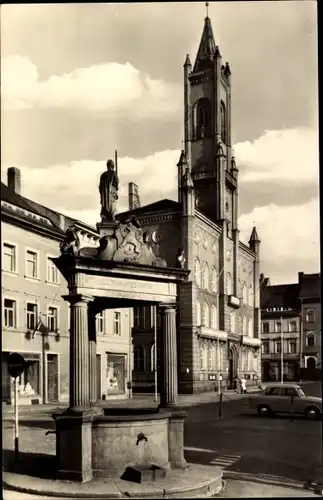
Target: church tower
(207,116)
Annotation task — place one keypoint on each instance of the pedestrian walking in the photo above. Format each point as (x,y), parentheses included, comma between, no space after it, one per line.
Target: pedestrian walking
(243,383)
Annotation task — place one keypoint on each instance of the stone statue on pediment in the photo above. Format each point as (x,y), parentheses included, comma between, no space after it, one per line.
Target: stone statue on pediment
(109,186)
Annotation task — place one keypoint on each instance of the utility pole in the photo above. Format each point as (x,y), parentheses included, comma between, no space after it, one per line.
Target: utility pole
(281,351)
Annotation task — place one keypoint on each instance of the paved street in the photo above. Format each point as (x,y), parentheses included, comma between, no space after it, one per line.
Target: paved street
(243,442)
(239,441)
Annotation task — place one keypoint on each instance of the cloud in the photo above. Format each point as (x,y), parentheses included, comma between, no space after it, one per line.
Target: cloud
(73,188)
(289,231)
(290,155)
(119,89)
(290,238)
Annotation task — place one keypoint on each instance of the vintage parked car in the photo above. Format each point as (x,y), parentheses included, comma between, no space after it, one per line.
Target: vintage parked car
(285,398)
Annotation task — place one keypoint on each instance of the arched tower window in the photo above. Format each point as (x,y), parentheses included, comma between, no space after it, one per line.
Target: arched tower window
(310,339)
(202,123)
(223,122)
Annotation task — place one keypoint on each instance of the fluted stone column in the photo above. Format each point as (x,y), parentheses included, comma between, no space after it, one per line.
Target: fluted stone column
(92,354)
(169,391)
(79,352)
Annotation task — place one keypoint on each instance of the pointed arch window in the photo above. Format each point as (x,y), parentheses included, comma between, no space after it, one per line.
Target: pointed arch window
(198,313)
(206,315)
(197,272)
(214,317)
(223,122)
(205,276)
(202,123)
(214,280)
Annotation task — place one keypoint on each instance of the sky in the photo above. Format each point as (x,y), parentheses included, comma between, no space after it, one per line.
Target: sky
(81,80)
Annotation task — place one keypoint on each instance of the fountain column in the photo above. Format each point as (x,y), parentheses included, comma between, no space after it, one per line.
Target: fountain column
(169,391)
(74,426)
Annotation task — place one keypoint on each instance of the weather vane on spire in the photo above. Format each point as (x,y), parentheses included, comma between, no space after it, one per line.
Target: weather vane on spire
(207,8)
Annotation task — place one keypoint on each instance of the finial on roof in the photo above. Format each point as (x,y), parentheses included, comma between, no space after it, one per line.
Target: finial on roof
(182,159)
(254,238)
(227,70)
(187,61)
(207,8)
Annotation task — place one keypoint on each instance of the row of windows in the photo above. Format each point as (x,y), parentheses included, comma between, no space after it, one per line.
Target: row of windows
(204,318)
(309,313)
(101,327)
(204,280)
(211,357)
(292,327)
(289,347)
(34,320)
(143,317)
(32,263)
(144,358)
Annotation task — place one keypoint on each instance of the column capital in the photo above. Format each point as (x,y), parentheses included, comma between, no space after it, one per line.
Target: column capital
(79,299)
(166,307)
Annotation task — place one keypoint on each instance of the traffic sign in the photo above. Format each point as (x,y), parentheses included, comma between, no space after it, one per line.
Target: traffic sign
(16,364)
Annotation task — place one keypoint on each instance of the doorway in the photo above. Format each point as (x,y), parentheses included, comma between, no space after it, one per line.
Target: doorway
(233,366)
(52,378)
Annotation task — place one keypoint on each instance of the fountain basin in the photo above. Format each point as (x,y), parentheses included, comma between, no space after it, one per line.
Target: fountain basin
(104,442)
(129,439)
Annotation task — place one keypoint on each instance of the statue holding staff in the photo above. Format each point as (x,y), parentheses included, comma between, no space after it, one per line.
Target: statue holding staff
(109,185)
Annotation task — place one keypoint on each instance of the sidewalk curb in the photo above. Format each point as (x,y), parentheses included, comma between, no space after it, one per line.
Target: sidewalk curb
(273,480)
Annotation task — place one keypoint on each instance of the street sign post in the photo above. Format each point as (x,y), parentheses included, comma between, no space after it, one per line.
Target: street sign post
(16,365)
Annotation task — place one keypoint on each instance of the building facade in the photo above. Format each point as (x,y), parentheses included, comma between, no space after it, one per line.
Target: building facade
(35,318)
(311,334)
(291,329)
(219,308)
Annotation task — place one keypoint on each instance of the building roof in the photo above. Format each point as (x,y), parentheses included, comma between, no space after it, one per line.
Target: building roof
(278,296)
(58,221)
(310,285)
(157,206)
(207,49)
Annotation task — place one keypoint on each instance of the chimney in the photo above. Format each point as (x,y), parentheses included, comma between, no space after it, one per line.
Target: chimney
(133,196)
(14,179)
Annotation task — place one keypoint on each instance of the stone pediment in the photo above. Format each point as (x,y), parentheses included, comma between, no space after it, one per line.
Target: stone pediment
(121,241)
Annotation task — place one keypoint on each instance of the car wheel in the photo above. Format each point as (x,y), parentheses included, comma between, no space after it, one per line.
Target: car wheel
(312,413)
(264,410)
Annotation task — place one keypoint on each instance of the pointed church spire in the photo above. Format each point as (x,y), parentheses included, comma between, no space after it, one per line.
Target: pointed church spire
(207,49)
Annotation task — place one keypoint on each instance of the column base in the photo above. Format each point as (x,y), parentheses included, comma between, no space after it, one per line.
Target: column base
(176,440)
(74,444)
(79,477)
(169,406)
